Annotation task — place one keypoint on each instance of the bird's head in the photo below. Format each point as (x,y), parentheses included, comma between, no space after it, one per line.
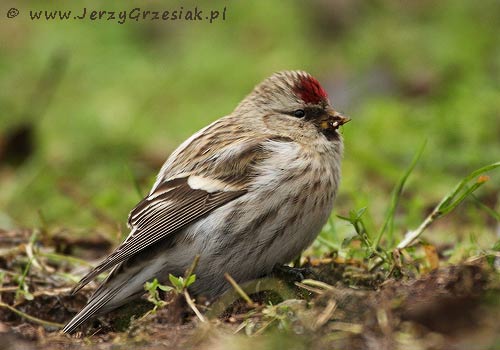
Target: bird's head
(294,101)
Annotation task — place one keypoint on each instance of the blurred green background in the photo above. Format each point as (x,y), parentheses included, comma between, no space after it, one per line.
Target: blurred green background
(89,110)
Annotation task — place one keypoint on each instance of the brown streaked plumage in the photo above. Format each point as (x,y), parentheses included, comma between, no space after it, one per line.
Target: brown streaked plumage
(250,190)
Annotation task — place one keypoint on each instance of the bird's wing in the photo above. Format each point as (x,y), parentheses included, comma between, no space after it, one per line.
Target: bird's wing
(178,201)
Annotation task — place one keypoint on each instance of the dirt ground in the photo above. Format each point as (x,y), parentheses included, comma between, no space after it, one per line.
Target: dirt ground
(451,307)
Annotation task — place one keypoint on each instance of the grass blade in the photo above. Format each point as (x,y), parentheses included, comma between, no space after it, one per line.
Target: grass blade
(450,202)
(396,195)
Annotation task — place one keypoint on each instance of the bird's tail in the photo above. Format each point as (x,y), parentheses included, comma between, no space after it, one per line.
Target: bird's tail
(93,308)
(116,290)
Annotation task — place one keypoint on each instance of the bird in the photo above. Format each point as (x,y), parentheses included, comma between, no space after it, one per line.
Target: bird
(247,192)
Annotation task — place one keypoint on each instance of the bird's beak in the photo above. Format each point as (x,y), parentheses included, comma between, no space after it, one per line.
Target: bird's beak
(341,119)
(334,121)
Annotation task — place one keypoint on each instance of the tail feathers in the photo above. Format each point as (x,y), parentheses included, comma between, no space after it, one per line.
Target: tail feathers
(117,289)
(92,309)
(124,283)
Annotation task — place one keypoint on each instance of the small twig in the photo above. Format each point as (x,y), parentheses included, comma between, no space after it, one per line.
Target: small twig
(12,252)
(347,327)
(376,263)
(31,318)
(449,202)
(240,327)
(319,284)
(52,291)
(29,251)
(59,257)
(326,315)
(193,306)
(264,327)
(22,288)
(239,290)
(45,292)
(190,271)
(311,289)
(383,320)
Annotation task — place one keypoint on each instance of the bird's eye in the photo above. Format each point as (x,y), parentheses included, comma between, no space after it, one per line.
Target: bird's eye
(299,113)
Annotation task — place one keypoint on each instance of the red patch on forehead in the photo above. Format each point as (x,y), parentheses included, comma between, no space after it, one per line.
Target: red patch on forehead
(310,91)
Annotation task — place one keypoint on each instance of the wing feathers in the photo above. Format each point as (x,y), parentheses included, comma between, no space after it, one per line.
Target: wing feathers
(154,219)
(214,179)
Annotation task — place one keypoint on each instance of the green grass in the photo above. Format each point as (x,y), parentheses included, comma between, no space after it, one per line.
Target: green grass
(108,102)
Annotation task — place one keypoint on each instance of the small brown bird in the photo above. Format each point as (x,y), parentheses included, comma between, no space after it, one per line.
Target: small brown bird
(247,192)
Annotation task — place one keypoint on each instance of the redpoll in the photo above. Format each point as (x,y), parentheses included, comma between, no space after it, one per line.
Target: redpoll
(247,192)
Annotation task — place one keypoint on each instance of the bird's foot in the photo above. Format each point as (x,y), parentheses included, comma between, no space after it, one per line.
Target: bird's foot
(292,274)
